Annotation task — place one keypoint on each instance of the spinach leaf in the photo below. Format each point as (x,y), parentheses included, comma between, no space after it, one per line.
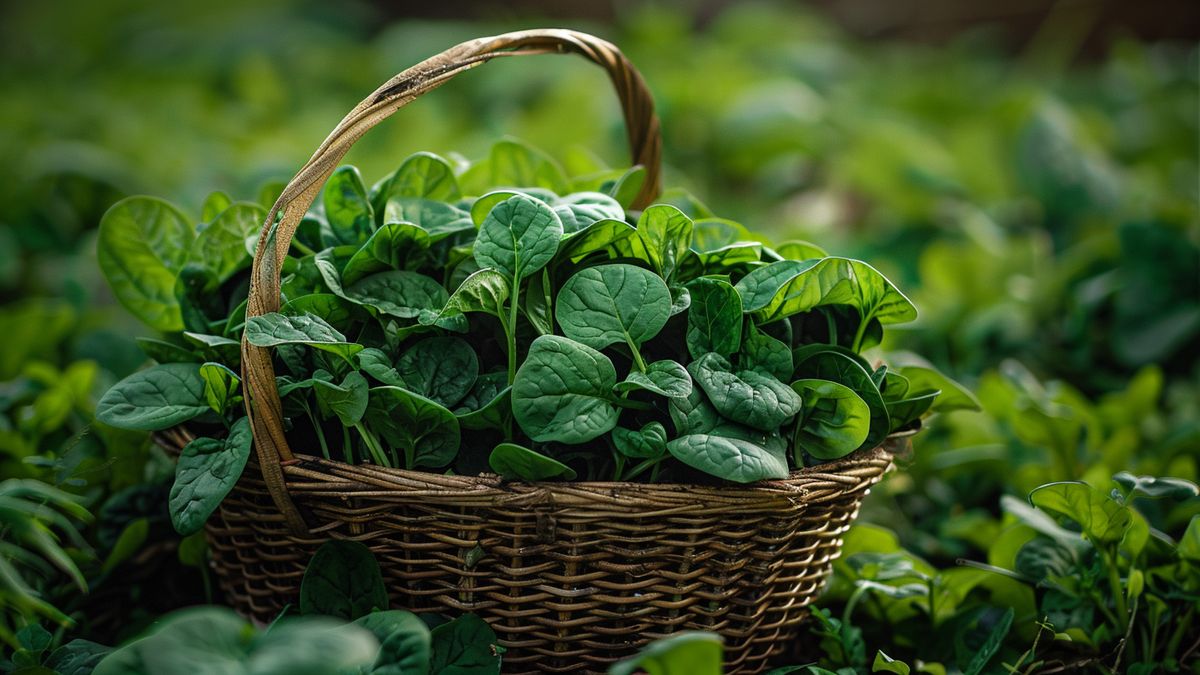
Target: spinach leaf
(714,318)
(904,411)
(442,369)
(563,392)
(837,367)
(395,246)
(399,293)
(208,469)
(765,354)
(729,458)
(646,443)
(274,329)
(583,209)
(953,396)
(332,309)
(426,431)
(347,208)
(515,164)
(343,581)
(519,237)
(488,405)
(422,175)
(665,378)
(438,219)
(597,236)
(513,461)
(693,414)
(800,250)
(833,422)
(601,305)
(142,245)
(220,245)
(485,291)
(465,646)
(379,365)
(347,400)
(749,397)
(220,386)
(405,644)
(159,397)
(665,233)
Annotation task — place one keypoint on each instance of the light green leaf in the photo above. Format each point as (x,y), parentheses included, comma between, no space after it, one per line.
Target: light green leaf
(221,244)
(733,459)
(1102,519)
(347,208)
(347,400)
(159,397)
(485,290)
(142,245)
(685,653)
(395,246)
(274,329)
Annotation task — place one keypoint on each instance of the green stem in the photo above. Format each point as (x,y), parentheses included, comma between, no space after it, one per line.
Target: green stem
(619,462)
(1114,583)
(832,328)
(320,434)
(511,329)
(637,355)
(631,404)
(855,597)
(858,334)
(372,444)
(302,248)
(642,466)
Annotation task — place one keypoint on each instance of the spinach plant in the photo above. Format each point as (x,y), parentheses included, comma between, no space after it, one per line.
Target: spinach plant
(543,332)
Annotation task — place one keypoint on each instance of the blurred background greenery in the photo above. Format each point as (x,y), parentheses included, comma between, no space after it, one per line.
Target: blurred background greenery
(1031,175)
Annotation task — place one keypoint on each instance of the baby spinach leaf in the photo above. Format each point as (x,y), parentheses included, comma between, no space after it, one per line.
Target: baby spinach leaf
(684,653)
(220,245)
(347,400)
(693,414)
(208,469)
(399,293)
(597,236)
(1102,519)
(142,245)
(404,642)
(334,310)
(953,396)
(601,305)
(488,405)
(765,354)
(519,237)
(1155,487)
(482,206)
(465,646)
(788,287)
(395,246)
(422,175)
(517,462)
(646,443)
(220,386)
(563,392)
(165,352)
(666,234)
(537,303)
(347,208)
(582,209)
(215,203)
(379,365)
(483,291)
(274,329)
(439,219)
(714,318)
(749,397)
(343,581)
(442,369)
(800,250)
(665,378)
(833,422)
(904,411)
(515,164)
(729,458)
(159,397)
(837,367)
(426,431)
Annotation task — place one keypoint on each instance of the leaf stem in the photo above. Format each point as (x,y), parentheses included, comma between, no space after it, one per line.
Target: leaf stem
(631,404)
(511,329)
(858,334)
(637,355)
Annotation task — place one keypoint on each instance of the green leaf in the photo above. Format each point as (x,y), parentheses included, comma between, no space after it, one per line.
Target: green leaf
(563,392)
(1189,543)
(601,305)
(220,386)
(583,209)
(208,469)
(517,462)
(274,329)
(334,310)
(347,400)
(465,646)
(1155,487)
(519,236)
(788,287)
(994,641)
(400,293)
(142,245)
(215,203)
(159,397)
(765,354)
(953,396)
(685,653)
(487,405)
(347,208)
(221,244)
(747,397)
(343,581)
(405,644)
(648,442)
(422,175)
(77,657)
(833,422)
(666,234)
(714,318)
(905,411)
(1102,519)
(395,246)
(733,459)
(829,364)
(442,369)
(485,290)
(439,219)
(426,431)
(380,366)
(693,414)
(514,164)
(886,664)
(800,250)
(597,236)
(665,378)
(130,542)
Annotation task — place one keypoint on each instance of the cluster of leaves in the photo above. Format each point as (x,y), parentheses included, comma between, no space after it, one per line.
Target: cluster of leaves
(343,626)
(418,325)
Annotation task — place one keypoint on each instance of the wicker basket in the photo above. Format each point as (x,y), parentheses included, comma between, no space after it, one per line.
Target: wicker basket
(572,576)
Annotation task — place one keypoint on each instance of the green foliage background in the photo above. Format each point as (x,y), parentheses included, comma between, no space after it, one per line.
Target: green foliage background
(1043,208)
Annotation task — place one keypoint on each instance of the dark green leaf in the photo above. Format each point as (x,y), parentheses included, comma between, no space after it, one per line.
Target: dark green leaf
(646,443)
(159,397)
(274,329)
(665,378)
(519,236)
(520,463)
(602,305)
(465,646)
(442,369)
(563,392)
(714,318)
(343,581)
(833,422)
(747,397)
(208,469)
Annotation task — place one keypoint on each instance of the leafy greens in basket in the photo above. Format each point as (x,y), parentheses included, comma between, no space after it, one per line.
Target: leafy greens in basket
(433,323)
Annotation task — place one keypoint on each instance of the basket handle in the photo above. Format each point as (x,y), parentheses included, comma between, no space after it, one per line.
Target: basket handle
(258,374)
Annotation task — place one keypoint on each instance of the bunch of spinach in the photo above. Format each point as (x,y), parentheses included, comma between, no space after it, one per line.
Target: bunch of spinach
(543,336)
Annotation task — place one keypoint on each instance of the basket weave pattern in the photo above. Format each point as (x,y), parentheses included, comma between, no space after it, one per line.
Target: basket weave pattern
(571,575)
